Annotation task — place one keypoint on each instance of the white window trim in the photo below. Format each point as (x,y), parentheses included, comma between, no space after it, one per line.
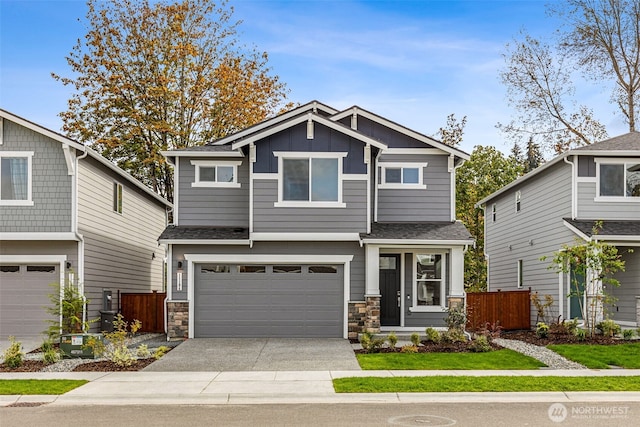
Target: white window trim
(616,161)
(520,277)
(29,157)
(402,186)
(214,164)
(518,201)
(281,155)
(443,284)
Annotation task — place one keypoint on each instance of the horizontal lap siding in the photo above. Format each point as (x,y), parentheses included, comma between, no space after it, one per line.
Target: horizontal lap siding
(51,184)
(279,248)
(625,307)
(546,199)
(410,205)
(351,219)
(119,248)
(210,206)
(588,208)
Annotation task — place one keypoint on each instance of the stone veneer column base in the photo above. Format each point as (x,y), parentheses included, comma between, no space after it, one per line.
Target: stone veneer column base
(372,320)
(356,318)
(177,319)
(454,302)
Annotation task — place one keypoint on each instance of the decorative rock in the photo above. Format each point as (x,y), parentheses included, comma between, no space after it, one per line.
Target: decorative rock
(550,358)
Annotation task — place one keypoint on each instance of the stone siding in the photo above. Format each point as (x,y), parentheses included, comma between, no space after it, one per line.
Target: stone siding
(177,319)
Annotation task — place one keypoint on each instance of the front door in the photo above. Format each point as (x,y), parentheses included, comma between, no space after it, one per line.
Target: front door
(576,295)
(390,290)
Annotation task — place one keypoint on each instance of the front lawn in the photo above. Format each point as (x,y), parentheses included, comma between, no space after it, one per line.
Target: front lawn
(8,387)
(499,359)
(601,356)
(483,384)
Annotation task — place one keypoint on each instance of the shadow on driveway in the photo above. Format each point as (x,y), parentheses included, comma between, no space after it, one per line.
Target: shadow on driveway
(258,354)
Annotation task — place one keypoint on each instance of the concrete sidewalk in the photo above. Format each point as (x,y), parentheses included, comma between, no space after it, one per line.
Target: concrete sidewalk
(282,387)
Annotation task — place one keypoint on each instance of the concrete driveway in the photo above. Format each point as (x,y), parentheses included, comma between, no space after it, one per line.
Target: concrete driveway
(258,354)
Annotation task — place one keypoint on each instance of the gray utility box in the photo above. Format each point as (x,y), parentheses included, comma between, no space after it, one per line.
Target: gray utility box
(75,345)
(106,320)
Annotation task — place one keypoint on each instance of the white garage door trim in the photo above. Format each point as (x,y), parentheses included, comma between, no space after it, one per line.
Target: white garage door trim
(345,260)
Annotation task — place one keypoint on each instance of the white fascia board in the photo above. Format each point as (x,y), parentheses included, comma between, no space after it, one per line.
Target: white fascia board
(244,242)
(97,156)
(576,231)
(268,258)
(612,238)
(405,243)
(41,130)
(399,128)
(315,118)
(33,236)
(601,153)
(414,151)
(303,237)
(197,154)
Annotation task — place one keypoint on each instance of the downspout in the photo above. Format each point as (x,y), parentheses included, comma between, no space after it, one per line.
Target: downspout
(375,184)
(453,169)
(574,207)
(80,243)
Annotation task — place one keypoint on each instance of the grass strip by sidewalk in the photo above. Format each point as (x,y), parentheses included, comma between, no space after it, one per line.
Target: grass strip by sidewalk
(499,359)
(25,387)
(450,384)
(601,356)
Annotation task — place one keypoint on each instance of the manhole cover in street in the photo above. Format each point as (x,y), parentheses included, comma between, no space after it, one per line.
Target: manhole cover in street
(421,420)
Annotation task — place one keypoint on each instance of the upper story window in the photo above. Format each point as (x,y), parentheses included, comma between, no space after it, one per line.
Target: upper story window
(518,201)
(618,178)
(402,175)
(15,178)
(493,212)
(309,179)
(216,173)
(117,197)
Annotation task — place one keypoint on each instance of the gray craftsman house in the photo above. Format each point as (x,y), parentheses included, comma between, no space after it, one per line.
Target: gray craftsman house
(315,223)
(67,214)
(558,203)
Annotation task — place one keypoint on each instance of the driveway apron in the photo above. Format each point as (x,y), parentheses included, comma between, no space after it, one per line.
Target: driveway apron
(258,354)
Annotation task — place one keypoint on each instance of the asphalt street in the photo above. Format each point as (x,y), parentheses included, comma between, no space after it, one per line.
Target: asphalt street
(373,414)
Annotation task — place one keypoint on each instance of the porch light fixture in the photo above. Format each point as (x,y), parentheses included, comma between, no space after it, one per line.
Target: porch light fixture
(68,264)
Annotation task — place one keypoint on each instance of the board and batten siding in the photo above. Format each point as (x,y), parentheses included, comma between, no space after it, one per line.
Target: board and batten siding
(212,206)
(51,184)
(417,205)
(536,231)
(350,219)
(357,277)
(624,308)
(390,137)
(121,250)
(589,208)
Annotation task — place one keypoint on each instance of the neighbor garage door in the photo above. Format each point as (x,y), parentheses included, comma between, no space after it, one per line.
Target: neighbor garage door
(268,300)
(24,296)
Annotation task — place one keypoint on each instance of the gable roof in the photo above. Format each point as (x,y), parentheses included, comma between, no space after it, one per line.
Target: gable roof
(66,141)
(402,129)
(627,144)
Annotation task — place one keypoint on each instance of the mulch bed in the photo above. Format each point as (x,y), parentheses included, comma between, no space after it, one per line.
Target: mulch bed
(555,338)
(108,366)
(27,366)
(431,347)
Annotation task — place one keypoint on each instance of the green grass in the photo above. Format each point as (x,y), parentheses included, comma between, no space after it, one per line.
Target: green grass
(39,386)
(499,359)
(483,384)
(601,356)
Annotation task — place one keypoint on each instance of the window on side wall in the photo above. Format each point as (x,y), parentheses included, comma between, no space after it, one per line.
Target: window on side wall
(518,201)
(619,178)
(493,212)
(310,179)
(402,175)
(429,291)
(15,178)
(520,274)
(216,173)
(117,197)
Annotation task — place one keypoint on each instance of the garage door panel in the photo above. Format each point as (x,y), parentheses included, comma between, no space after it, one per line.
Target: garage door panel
(268,304)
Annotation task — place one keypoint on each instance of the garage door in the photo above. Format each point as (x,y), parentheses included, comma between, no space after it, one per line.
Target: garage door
(24,296)
(268,300)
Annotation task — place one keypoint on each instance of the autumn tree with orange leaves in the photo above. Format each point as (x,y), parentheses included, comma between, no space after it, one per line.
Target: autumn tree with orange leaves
(153,76)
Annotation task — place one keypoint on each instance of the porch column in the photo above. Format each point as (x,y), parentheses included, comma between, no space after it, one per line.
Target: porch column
(372,285)
(595,307)
(456,286)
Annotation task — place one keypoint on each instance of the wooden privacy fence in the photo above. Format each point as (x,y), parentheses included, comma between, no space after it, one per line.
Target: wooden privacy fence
(509,309)
(147,308)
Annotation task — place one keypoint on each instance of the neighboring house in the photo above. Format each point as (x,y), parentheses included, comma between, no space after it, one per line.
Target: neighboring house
(317,222)
(66,212)
(558,203)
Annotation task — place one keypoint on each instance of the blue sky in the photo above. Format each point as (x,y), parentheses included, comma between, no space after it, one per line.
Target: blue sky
(414,62)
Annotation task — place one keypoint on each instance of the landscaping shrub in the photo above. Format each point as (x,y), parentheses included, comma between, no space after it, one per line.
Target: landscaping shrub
(160,351)
(542,330)
(415,339)
(116,349)
(49,353)
(480,344)
(409,348)
(456,318)
(627,334)
(432,335)
(580,334)
(490,330)
(609,328)
(392,339)
(143,352)
(369,343)
(13,355)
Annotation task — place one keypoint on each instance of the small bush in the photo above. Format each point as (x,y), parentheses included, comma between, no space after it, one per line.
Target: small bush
(392,339)
(13,355)
(609,328)
(50,356)
(456,318)
(160,351)
(432,335)
(542,330)
(571,326)
(116,349)
(143,352)
(490,330)
(409,348)
(627,334)
(369,343)
(580,334)
(453,336)
(415,339)
(481,344)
